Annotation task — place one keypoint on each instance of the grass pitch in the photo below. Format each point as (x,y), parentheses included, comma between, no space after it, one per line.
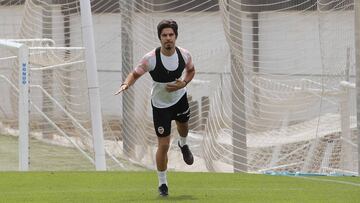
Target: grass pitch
(116,186)
(42,156)
(183,187)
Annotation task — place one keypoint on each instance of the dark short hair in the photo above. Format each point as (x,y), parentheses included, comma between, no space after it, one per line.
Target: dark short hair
(167,24)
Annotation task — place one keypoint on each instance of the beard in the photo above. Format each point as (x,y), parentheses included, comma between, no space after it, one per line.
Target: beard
(168,46)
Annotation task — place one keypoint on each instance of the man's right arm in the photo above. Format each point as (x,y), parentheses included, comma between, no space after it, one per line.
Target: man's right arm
(134,75)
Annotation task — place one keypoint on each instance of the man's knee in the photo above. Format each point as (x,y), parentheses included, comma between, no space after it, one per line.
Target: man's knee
(164,146)
(164,143)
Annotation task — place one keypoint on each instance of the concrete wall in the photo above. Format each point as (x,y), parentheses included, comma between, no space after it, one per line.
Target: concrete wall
(289,44)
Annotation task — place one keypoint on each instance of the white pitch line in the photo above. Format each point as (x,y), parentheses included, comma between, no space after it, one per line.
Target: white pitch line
(334,181)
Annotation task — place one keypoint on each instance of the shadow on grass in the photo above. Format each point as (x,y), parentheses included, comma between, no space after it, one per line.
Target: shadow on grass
(177,198)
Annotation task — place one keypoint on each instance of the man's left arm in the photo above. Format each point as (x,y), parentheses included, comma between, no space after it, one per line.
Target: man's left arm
(189,72)
(189,75)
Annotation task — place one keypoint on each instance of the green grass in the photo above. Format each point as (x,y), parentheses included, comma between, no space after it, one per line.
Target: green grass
(48,157)
(183,187)
(42,156)
(142,186)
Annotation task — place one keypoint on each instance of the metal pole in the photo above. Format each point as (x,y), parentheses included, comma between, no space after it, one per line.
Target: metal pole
(357,59)
(47,75)
(238,91)
(93,84)
(128,112)
(256,59)
(65,10)
(23,108)
(347,160)
(23,100)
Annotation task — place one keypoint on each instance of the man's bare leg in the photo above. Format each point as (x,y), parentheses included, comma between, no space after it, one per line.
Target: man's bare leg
(161,163)
(161,153)
(183,129)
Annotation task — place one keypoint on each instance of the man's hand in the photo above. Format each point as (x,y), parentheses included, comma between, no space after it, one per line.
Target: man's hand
(171,87)
(122,88)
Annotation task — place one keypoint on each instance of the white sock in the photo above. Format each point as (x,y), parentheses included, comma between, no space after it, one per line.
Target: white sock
(182,141)
(162,177)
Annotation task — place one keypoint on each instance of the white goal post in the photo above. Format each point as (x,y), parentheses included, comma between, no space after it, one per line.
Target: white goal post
(22,51)
(44,54)
(93,84)
(23,62)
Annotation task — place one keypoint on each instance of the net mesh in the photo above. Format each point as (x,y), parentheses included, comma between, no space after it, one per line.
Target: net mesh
(267,94)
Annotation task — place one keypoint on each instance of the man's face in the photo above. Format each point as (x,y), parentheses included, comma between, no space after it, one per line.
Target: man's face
(167,38)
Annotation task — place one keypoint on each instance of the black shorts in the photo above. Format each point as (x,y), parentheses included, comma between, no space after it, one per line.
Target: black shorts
(162,117)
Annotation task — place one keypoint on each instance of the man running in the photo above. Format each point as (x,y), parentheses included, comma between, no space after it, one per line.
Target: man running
(166,65)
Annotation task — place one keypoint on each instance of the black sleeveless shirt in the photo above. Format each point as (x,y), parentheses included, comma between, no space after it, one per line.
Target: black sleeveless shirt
(161,74)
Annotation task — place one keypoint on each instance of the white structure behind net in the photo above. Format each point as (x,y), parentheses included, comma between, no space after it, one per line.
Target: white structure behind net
(273,90)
